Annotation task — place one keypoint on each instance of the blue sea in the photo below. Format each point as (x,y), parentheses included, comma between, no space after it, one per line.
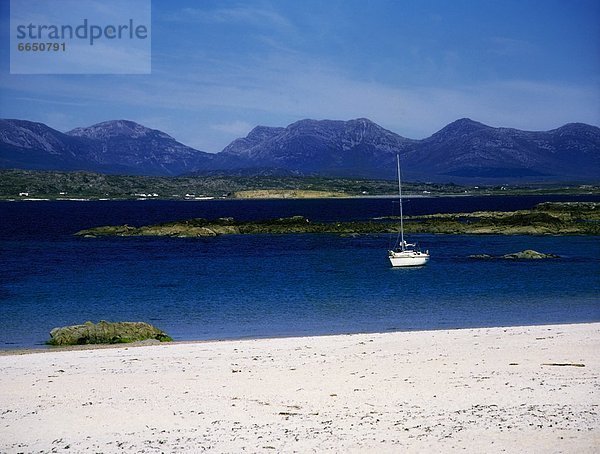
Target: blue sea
(244,286)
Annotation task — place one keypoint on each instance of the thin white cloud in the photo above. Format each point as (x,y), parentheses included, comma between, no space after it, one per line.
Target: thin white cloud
(506,47)
(53,102)
(293,88)
(237,127)
(244,15)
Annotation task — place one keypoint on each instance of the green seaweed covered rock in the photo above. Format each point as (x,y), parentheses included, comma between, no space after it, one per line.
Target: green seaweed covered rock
(105,332)
(528,254)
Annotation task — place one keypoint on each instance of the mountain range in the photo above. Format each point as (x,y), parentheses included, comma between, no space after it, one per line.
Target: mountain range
(464,151)
(114,147)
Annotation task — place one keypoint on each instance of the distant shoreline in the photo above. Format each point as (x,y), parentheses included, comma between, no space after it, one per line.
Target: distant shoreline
(78,186)
(383,196)
(379,196)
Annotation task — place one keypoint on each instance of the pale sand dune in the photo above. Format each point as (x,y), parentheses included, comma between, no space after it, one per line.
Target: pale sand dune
(474,390)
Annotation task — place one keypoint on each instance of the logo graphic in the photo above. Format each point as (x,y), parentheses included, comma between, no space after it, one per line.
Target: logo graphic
(80,37)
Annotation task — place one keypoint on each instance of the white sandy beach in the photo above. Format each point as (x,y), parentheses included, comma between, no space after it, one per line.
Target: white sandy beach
(474,390)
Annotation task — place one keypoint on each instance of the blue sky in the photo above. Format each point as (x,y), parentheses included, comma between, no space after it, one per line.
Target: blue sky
(221,67)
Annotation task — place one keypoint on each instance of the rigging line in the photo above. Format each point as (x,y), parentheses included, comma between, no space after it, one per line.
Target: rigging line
(391,235)
(400,199)
(400,237)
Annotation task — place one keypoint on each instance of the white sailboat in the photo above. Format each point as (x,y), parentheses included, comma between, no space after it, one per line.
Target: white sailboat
(403,253)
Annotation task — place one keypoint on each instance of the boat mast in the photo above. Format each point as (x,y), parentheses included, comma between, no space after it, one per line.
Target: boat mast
(400,198)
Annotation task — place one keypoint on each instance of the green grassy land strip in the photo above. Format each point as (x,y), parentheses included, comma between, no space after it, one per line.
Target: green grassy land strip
(545,219)
(58,185)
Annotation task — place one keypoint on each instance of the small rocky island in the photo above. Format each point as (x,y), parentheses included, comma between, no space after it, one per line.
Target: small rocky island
(105,332)
(569,218)
(527,254)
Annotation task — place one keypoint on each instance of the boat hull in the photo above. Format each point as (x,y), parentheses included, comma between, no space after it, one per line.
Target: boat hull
(402,259)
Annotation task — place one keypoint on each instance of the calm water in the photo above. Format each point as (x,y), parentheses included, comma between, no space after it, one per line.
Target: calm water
(255,286)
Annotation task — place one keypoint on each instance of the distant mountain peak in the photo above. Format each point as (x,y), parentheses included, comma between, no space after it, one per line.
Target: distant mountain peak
(329,123)
(578,128)
(116,128)
(262,132)
(459,128)
(362,122)
(30,135)
(354,130)
(466,123)
(17,122)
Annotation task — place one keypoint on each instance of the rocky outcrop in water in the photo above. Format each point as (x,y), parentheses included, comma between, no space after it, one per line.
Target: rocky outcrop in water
(527,254)
(545,219)
(194,228)
(106,333)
